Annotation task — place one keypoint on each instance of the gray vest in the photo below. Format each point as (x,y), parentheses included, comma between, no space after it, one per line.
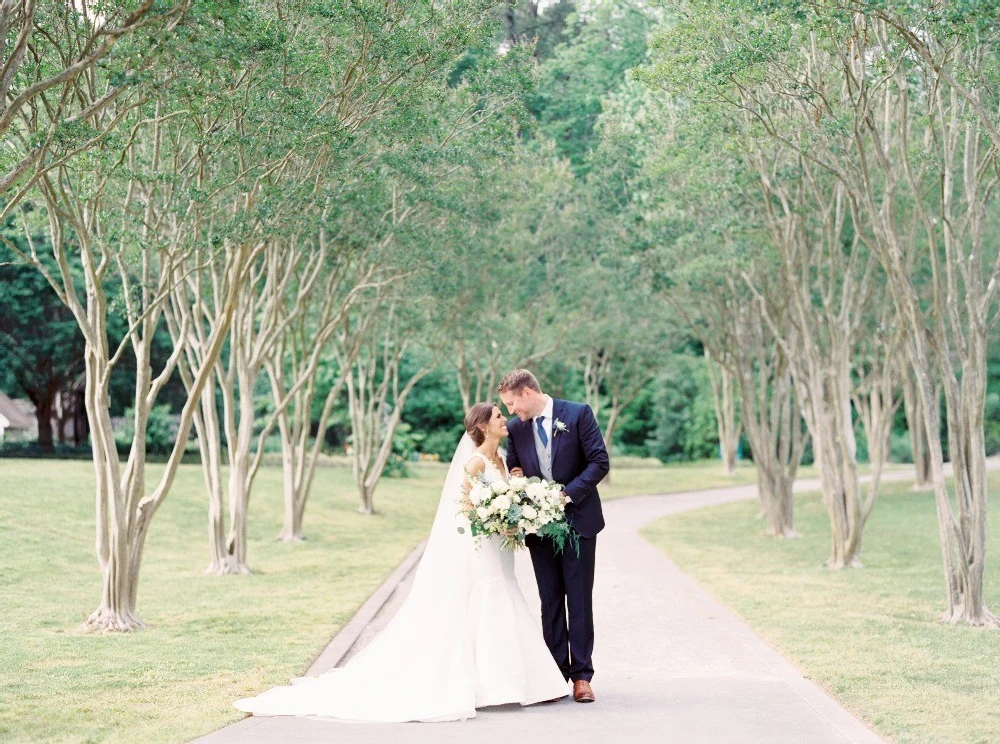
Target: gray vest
(544,453)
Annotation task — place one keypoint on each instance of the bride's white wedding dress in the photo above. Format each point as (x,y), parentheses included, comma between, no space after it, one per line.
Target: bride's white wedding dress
(464,638)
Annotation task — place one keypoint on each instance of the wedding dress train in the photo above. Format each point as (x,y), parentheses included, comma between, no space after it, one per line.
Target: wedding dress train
(463,638)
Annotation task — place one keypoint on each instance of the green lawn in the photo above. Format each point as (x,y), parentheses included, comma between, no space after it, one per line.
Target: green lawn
(869,636)
(632,476)
(213,639)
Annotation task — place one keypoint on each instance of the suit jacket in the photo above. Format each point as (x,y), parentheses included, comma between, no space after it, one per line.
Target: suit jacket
(579,460)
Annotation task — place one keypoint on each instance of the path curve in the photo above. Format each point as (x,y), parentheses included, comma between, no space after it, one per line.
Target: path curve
(673,665)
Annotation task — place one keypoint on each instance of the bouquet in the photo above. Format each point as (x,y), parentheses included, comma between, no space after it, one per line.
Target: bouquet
(514,510)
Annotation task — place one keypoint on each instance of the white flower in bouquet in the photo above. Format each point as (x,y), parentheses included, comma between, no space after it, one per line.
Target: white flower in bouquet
(536,491)
(479,493)
(541,511)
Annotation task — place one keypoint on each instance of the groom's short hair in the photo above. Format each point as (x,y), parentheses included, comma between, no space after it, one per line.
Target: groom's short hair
(517,380)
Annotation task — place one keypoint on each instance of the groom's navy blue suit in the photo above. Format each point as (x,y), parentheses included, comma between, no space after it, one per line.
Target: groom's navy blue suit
(566,581)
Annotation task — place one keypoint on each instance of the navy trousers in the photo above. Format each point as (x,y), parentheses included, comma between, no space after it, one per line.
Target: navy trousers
(566,588)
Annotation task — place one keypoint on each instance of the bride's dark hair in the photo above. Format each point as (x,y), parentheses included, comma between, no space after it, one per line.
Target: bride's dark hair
(478,415)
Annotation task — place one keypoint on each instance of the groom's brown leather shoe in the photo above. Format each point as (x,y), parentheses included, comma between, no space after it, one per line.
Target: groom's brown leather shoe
(582,692)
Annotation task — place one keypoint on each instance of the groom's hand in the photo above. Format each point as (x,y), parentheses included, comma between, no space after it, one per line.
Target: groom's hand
(517,472)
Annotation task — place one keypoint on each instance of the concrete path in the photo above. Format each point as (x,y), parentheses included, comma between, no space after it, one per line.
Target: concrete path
(673,665)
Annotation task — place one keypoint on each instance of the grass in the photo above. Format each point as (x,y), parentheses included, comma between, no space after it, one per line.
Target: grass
(872,636)
(213,639)
(634,476)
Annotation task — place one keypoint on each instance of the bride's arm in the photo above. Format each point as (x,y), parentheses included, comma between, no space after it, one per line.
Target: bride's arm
(473,468)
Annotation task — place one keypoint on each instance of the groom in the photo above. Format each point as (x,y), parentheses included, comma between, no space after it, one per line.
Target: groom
(560,441)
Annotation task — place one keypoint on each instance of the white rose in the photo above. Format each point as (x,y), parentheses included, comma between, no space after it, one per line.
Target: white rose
(501,503)
(483,513)
(529,512)
(517,482)
(535,491)
(499,486)
(479,493)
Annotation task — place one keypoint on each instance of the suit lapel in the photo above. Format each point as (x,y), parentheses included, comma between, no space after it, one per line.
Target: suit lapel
(557,409)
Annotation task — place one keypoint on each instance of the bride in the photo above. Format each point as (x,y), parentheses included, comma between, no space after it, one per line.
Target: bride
(464,637)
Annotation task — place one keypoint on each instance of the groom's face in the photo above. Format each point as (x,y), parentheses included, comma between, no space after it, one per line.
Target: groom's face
(517,403)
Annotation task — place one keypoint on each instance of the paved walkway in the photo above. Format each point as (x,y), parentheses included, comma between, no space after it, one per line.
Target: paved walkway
(673,665)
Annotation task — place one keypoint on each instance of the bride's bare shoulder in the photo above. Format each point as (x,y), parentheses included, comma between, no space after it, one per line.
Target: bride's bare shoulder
(475,465)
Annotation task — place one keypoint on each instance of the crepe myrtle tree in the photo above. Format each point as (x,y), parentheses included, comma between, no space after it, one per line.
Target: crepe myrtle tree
(319,320)
(125,505)
(949,311)
(377,388)
(64,65)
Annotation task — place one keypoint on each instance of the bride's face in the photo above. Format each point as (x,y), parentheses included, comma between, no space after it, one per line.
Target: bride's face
(497,425)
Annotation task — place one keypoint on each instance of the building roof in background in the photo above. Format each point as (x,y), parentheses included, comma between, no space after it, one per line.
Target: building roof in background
(15,412)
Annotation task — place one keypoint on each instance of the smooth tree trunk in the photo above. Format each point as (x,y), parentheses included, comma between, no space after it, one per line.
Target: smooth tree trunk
(828,413)
(300,454)
(963,537)
(919,451)
(769,409)
(876,403)
(192,315)
(256,329)
(729,427)
(209,436)
(474,377)
(239,453)
(949,315)
(317,319)
(771,418)
(614,412)
(595,370)
(825,294)
(123,508)
(374,419)
(377,390)
(777,442)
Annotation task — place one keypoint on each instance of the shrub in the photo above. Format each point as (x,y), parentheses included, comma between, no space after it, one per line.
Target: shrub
(442,442)
(161,430)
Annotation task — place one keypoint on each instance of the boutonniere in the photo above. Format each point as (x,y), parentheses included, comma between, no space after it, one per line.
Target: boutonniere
(558,427)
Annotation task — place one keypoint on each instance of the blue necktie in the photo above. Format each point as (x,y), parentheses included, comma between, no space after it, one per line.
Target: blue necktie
(541,431)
